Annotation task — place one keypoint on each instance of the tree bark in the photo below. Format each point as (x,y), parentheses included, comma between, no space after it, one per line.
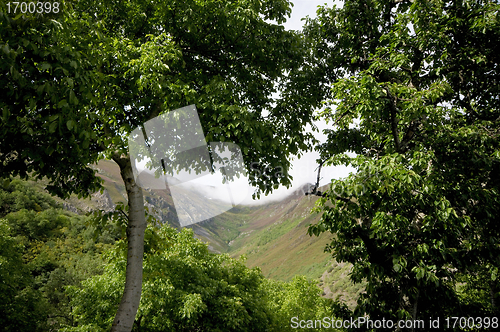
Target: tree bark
(136,227)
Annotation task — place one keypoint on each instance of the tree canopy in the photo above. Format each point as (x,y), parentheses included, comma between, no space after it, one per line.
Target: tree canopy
(46,76)
(80,80)
(412,95)
(188,288)
(43,249)
(99,67)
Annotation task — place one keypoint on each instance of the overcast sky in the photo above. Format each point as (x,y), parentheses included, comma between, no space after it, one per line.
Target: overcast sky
(301,9)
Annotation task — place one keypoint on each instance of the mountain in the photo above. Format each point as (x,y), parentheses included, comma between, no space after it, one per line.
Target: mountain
(272,236)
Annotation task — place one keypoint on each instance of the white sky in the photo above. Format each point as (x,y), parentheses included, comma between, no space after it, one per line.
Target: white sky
(303,8)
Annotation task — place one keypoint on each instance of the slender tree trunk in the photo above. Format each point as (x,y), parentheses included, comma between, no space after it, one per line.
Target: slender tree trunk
(493,295)
(129,304)
(415,309)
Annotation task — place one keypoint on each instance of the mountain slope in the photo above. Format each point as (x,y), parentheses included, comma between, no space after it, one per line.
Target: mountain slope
(272,236)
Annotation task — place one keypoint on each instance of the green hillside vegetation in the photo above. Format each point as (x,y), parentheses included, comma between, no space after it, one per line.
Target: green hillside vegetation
(279,243)
(271,236)
(336,284)
(225,228)
(60,274)
(274,238)
(44,249)
(187,288)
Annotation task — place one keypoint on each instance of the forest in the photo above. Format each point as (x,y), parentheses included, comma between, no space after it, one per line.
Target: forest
(60,273)
(410,90)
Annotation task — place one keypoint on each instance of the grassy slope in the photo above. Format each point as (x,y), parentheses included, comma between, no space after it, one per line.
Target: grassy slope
(278,243)
(274,237)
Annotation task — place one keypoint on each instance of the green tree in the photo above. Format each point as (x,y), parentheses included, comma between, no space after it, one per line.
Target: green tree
(21,307)
(98,69)
(43,250)
(47,83)
(412,90)
(295,301)
(186,288)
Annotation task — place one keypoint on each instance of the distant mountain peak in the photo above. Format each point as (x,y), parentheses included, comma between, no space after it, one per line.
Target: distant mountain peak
(302,190)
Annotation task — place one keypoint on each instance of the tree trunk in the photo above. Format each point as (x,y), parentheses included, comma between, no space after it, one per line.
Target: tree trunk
(131,298)
(415,310)
(493,295)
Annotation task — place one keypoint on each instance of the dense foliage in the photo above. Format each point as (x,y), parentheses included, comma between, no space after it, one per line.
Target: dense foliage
(187,288)
(47,84)
(412,89)
(58,273)
(80,80)
(43,250)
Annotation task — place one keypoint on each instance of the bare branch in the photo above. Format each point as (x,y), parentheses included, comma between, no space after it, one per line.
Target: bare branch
(124,214)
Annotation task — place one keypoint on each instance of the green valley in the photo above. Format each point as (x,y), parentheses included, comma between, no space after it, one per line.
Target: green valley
(272,236)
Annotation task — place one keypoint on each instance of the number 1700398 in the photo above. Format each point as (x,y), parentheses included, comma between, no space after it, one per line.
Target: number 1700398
(471,322)
(38,7)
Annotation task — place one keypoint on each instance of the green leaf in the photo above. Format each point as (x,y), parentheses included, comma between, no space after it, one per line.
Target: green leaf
(53,127)
(72,98)
(420,273)
(62,103)
(45,66)
(5,114)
